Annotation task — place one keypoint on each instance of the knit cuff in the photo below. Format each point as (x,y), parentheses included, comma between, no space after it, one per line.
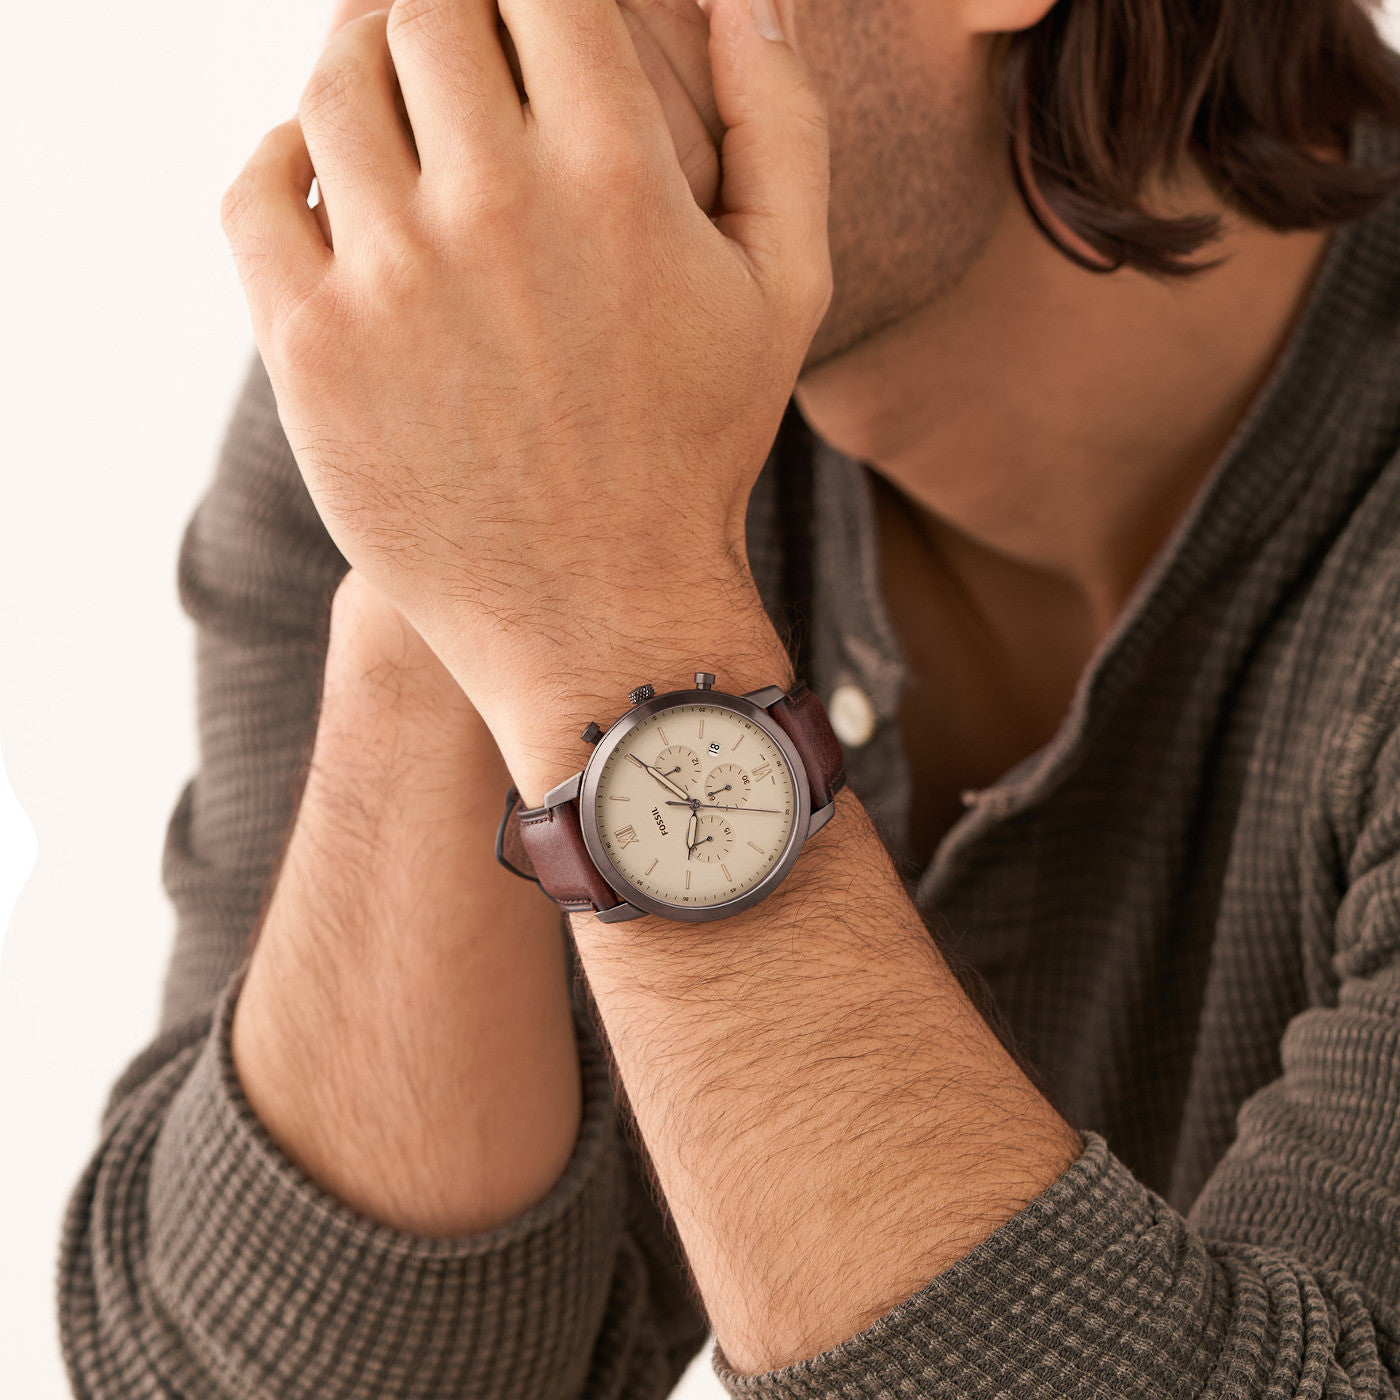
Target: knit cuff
(1096,1287)
(277,1288)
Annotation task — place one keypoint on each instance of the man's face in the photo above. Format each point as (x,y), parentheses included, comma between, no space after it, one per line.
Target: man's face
(918,156)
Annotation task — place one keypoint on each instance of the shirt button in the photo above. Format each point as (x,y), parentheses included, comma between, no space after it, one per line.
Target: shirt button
(852,715)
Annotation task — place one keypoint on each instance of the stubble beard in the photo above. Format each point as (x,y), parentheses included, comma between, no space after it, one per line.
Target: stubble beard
(918,174)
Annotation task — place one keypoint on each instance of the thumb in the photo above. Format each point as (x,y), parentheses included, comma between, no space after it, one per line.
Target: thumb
(774,170)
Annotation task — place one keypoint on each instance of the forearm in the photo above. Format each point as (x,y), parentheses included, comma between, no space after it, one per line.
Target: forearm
(831,1121)
(404,1029)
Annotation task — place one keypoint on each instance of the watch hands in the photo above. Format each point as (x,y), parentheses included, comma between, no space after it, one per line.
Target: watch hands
(690,830)
(728,787)
(714,807)
(660,777)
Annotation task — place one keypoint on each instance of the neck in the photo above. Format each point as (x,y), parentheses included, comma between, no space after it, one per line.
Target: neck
(1044,420)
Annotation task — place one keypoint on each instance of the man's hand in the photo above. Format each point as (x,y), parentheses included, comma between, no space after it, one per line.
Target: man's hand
(531,387)
(672,41)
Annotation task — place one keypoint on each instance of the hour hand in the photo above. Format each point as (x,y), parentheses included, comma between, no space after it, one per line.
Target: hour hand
(692,826)
(660,777)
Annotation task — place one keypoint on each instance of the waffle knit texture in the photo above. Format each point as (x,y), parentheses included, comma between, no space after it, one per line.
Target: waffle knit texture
(1184,910)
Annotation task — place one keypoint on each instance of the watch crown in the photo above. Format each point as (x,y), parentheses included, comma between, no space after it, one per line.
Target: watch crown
(592,733)
(642,693)
(703,680)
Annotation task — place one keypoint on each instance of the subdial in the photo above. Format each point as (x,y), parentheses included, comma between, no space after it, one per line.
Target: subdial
(714,839)
(728,785)
(679,764)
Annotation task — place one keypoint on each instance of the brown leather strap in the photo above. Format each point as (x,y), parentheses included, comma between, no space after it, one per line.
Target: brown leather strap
(802,717)
(545,844)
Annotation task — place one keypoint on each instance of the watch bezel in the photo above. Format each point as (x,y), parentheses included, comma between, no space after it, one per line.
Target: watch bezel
(588,798)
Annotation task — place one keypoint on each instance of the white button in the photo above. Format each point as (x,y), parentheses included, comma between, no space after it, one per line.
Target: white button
(852,715)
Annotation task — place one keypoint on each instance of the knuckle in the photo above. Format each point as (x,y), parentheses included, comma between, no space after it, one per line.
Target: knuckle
(410,18)
(610,162)
(331,87)
(237,204)
(487,201)
(399,271)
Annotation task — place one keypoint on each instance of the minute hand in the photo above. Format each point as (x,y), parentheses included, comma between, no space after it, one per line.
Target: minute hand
(662,779)
(714,807)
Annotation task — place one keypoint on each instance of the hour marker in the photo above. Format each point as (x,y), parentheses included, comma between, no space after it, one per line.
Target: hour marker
(727,875)
(762,771)
(687,879)
(701,734)
(651,867)
(759,849)
(662,732)
(737,742)
(626,837)
(615,798)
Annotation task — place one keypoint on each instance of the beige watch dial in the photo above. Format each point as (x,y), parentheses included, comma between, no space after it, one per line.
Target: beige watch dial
(700,832)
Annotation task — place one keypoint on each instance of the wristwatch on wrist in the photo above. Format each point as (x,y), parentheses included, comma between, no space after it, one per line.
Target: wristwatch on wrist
(694,805)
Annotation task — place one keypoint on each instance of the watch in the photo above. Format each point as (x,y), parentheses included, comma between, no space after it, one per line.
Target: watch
(694,805)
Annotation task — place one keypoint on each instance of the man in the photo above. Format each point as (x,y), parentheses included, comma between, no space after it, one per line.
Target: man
(1085,534)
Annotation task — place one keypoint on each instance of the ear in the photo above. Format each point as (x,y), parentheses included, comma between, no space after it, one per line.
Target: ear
(1003,16)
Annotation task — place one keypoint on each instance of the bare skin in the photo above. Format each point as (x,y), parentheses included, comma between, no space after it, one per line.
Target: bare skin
(410,1058)
(1039,426)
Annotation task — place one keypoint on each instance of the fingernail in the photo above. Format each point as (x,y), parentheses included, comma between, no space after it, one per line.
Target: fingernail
(765,18)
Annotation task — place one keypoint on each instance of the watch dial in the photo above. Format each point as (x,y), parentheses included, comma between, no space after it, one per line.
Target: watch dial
(695,805)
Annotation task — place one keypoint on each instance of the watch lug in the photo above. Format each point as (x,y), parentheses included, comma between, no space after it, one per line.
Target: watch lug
(619,913)
(769,695)
(820,818)
(567,791)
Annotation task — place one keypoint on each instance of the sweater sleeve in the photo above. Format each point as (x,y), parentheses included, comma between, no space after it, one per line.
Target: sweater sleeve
(197,1261)
(1281,1281)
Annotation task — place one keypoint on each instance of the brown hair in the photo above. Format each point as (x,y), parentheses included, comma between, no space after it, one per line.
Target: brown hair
(1104,95)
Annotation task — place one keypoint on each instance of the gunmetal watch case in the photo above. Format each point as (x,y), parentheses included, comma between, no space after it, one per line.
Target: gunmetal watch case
(581,790)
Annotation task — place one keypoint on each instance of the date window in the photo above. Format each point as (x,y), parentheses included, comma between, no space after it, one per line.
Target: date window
(714,747)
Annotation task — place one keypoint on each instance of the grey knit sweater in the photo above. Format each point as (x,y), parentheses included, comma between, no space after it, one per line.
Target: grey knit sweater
(1185,910)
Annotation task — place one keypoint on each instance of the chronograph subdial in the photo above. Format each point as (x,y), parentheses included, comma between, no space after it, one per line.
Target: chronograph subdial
(679,764)
(713,840)
(728,785)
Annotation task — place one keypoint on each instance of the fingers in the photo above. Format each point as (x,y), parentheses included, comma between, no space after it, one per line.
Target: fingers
(457,85)
(349,113)
(346,10)
(274,236)
(696,149)
(774,161)
(680,30)
(578,62)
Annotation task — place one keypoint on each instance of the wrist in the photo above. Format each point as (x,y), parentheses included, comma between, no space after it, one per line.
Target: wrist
(543,743)
(538,717)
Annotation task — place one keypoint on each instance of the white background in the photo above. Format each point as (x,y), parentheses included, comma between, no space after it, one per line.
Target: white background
(124,340)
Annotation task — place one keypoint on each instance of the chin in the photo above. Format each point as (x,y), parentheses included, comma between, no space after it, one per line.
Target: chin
(919,166)
(900,242)
(868,299)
